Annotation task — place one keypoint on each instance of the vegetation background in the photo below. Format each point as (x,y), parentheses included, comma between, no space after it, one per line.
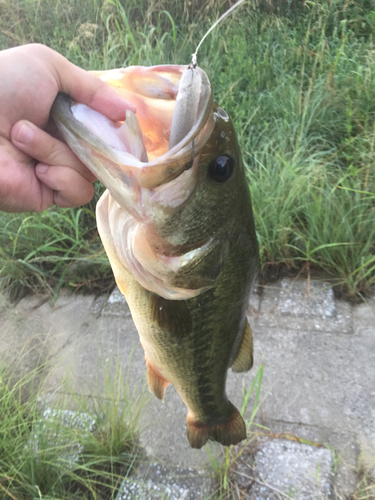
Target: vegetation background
(298,80)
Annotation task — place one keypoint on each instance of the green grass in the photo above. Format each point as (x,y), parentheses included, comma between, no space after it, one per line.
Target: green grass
(62,455)
(40,252)
(299,83)
(365,489)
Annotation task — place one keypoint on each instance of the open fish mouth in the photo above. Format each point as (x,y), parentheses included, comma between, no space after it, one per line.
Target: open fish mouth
(173,123)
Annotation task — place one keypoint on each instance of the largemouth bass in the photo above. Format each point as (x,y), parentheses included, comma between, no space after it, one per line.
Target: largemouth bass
(176,222)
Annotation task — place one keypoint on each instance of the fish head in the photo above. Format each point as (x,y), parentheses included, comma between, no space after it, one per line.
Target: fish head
(177,194)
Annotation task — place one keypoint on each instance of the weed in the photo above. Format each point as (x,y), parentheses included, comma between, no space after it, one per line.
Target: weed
(56,453)
(42,252)
(297,79)
(365,489)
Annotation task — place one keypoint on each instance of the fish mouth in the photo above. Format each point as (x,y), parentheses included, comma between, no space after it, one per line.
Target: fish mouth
(173,122)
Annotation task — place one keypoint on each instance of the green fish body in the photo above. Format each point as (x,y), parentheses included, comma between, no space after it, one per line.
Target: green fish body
(176,222)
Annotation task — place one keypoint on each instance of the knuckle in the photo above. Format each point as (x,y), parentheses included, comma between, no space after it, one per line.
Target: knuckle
(52,153)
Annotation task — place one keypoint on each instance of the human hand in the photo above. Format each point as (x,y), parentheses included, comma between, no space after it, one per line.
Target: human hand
(38,170)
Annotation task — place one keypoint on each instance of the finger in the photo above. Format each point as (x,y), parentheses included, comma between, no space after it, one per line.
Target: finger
(70,189)
(88,89)
(20,188)
(35,142)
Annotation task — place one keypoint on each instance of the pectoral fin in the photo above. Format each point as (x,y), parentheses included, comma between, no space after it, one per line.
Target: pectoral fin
(244,359)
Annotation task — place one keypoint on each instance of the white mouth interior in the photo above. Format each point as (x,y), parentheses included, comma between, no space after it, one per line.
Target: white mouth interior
(128,137)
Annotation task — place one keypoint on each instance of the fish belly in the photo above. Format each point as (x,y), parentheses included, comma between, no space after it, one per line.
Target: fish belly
(184,356)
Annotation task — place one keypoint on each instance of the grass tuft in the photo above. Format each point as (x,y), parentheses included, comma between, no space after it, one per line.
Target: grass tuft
(298,80)
(365,489)
(58,454)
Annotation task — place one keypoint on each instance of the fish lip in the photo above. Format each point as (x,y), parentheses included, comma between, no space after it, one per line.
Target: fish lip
(148,175)
(63,106)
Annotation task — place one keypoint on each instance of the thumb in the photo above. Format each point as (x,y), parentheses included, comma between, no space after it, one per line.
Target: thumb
(88,89)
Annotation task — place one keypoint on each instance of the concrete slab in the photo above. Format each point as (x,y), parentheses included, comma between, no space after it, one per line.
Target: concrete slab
(364,315)
(304,306)
(156,481)
(33,332)
(289,469)
(321,379)
(317,352)
(95,353)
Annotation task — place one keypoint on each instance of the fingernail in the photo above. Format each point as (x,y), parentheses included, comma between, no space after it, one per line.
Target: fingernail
(25,134)
(41,168)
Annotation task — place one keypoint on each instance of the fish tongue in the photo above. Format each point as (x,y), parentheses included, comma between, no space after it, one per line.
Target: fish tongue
(185,112)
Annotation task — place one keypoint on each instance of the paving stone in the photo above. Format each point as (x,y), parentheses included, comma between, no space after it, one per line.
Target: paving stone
(51,425)
(299,471)
(364,314)
(344,447)
(287,302)
(158,482)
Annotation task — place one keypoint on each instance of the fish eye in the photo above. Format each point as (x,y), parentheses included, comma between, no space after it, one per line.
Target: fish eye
(221,169)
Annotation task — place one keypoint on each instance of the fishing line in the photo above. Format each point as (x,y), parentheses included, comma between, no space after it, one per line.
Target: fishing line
(223,16)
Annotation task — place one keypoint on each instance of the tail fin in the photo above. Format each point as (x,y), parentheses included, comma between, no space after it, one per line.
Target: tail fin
(230,431)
